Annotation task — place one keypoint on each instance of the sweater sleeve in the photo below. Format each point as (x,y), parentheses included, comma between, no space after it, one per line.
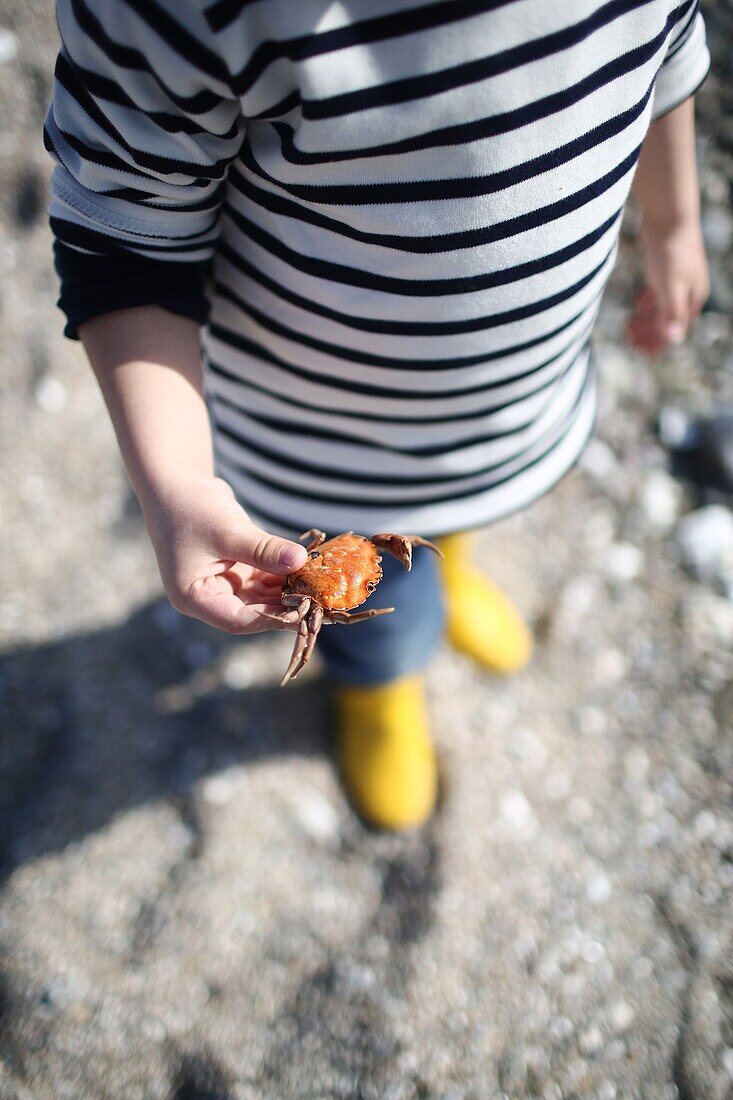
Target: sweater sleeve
(686,61)
(143,126)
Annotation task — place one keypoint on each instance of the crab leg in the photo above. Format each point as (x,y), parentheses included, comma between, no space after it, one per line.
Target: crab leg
(345,618)
(316,536)
(400,546)
(308,631)
(297,615)
(298,648)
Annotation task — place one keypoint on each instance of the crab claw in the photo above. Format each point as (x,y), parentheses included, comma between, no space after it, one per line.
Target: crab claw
(400,546)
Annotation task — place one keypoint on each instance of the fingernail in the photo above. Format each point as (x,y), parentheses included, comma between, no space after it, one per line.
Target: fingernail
(291,556)
(675,333)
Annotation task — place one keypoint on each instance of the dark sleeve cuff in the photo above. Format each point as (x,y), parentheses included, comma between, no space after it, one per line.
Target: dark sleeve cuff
(92,285)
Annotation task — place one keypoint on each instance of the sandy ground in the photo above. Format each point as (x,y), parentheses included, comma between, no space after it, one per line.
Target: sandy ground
(190,909)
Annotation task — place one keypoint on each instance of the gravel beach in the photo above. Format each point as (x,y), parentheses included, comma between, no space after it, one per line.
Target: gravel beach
(189,909)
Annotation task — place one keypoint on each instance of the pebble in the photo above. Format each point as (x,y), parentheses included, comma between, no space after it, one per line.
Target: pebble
(317,817)
(153,1029)
(598,888)
(236,670)
(50,394)
(636,766)
(623,561)
(660,499)
(561,1027)
(717,230)
(713,327)
(673,426)
(621,1017)
(708,619)
(610,667)
(599,461)
(517,812)
(706,824)
(615,1050)
(618,370)
(591,721)
(592,951)
(8,46)
(590,1041)
(557,786)
(708,458)
(217,790)
(574,605)
(525,745)
(728,1061)
(715,187)
(704,541)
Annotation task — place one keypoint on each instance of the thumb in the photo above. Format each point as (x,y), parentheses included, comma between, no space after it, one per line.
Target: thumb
(253,546)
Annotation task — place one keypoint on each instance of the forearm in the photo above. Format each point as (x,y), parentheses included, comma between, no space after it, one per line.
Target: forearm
(666,185)
(148,365)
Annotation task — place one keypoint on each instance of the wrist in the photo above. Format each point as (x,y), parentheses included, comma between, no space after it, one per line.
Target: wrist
(166,491)
(677,224)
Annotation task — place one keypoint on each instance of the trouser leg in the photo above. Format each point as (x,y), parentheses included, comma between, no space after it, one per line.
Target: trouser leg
(390,646)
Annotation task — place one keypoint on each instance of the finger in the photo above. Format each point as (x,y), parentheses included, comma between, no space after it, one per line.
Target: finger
(644,302)
(674,310)
(250,544)
(225,611)
(643,334)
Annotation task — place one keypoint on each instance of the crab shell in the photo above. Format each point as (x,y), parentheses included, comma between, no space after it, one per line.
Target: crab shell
(340,574)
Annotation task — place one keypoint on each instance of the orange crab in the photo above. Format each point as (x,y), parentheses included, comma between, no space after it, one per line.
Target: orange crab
(339,575)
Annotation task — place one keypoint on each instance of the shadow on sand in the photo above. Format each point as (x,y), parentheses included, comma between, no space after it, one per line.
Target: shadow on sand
(98,723)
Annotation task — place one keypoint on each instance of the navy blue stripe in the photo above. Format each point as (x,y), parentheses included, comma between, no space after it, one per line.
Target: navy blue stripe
(557,433)
(290,462)
(220,14)
(470,72)
(379,29)
(684,32)
(319,432)
(347,414)
(467,238)
(414,288)
(284,107)
(126,57)
(69,80)
(241,343)
(490,126)
(363,194)
(109,90)
(416,328)
(94,240)
(353,355)
(186,45)
(106,159)
(149,199)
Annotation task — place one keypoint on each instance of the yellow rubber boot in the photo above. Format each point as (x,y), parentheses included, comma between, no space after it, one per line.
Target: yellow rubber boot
(385,753)
(482,621)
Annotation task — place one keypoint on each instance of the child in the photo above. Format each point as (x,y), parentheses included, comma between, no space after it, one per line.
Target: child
(412,210)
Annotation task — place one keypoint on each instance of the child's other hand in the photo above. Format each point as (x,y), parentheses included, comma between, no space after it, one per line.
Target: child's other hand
(676,286)
(216,565)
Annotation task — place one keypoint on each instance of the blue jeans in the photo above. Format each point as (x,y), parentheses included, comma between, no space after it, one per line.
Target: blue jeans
(379,650)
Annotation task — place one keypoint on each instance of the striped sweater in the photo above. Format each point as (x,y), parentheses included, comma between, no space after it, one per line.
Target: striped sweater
(403,215)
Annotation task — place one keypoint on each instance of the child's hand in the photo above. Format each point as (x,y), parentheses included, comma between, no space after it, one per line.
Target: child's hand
(676,286)
(215,564)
